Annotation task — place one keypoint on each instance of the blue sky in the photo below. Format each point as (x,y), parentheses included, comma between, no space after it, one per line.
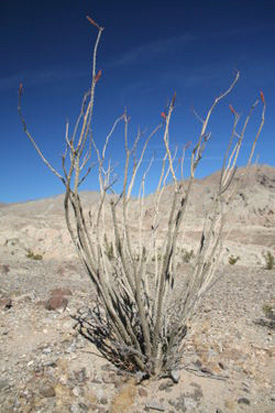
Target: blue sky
(149,49)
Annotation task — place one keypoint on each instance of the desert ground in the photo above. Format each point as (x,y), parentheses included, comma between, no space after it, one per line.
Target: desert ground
(228,361)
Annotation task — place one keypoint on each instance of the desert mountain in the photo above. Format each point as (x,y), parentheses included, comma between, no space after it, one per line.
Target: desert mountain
(40,226)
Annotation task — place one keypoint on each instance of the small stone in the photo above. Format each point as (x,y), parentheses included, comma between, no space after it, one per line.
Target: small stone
(5,303)
(110,377)
(106,367)
(221,365)
(244,400)
(56,302)
(142,392)
(47,350)
(4,269)
(154,406)
(166,385)
(83,407)
(140,376)
(47,390)
(74,408)
(80,375)
(76,391)
(50,363)
(25,300)
(179,403)
(103,400)
(96,408)
(175,375)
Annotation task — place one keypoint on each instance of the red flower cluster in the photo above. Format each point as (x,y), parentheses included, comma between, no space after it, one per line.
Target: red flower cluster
(262,96)
(20,90)
(98,76)
(232,110)
(92,21)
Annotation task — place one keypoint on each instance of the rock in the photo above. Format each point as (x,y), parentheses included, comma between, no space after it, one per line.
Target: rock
(47,350)
(197,393)
(25,299)
(103,400)
(154,406)
(244,400)
(76,391)
(175,375)
(4,269)
(142,392)
(47,390)
(83,407)
(80,375)
(5,303)
(140,376)
(179,404)
(56,302)
(221,365)
(109,377)
(96,408)
(79,408)
(74,408)
(166,385)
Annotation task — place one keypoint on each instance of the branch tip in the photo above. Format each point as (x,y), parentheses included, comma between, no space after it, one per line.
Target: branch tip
(20,89)
(94,23)
(98,76)
(232,110)
(262,96)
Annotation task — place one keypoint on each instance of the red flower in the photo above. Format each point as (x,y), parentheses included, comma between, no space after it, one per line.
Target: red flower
(163,115)
(262,96)
(98,76)
(232,110)
(92,21)
(20,90)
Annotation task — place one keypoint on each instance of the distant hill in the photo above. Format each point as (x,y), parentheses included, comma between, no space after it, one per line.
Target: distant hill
(40,225)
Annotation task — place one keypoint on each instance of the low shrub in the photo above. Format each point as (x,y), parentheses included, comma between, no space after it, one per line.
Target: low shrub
(30,254)
(269,260)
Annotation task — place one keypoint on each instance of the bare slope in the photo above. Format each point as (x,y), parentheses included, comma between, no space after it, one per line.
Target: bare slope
(40,225)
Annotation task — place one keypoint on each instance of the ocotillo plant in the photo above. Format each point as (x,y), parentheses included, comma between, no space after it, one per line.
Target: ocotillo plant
(140,320)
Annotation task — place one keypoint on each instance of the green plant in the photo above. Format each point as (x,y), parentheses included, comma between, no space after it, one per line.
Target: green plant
(269,260)
(233,260)
(187,255)
(30,254)
(269,310)
(143,310)
(157,257)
